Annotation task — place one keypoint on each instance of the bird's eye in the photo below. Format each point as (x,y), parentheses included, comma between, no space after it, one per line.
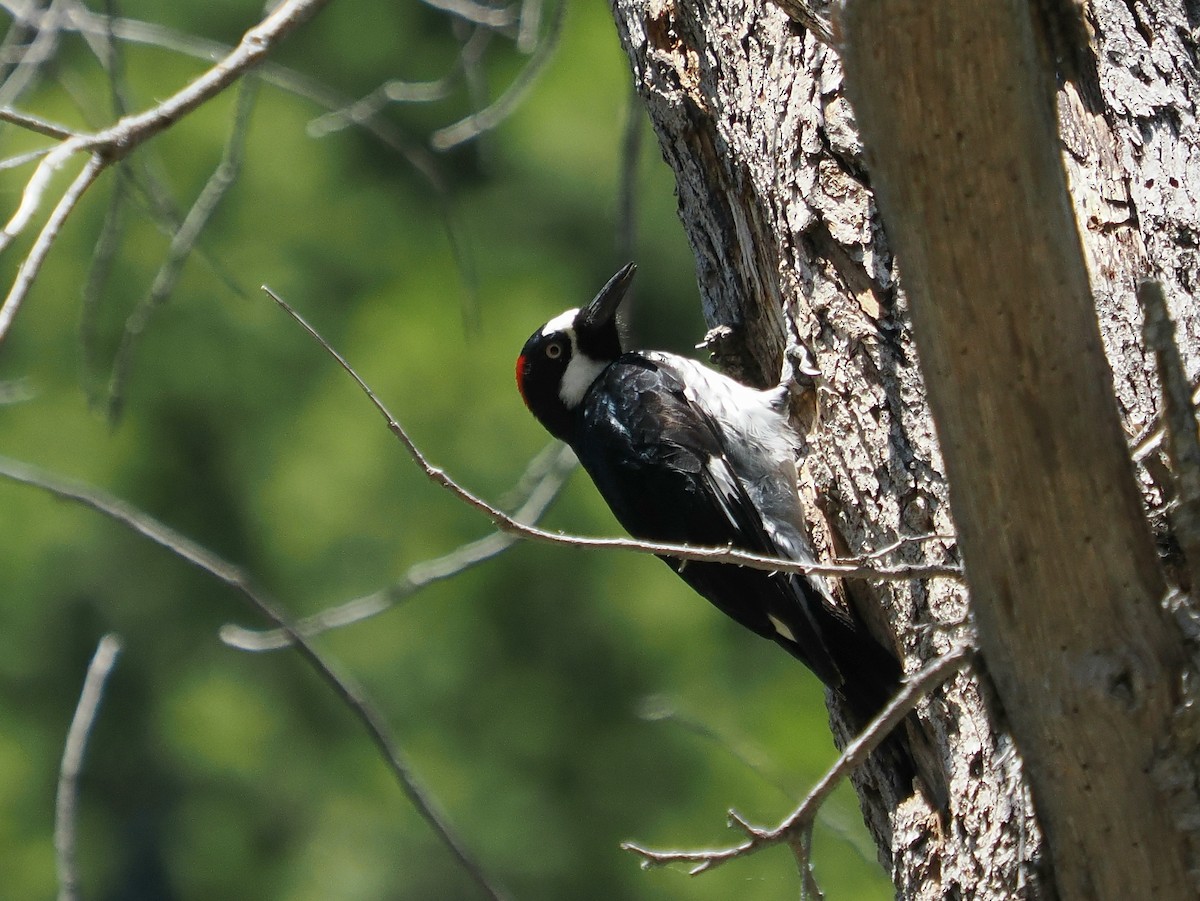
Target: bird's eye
(554,350)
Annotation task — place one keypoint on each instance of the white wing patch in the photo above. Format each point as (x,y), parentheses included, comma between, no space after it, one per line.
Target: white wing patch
(727,485)
(756,425)
(781,628)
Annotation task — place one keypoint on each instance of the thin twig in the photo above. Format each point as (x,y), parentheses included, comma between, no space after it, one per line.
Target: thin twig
(36,124)
(540,495)
(367,107)
(342,685)
(152,34)
(529,22)
(475,76)
(499,18)
(21,159)
(795,828)
(802,849)
(507,523)
(489,117)
(35,188)
(32,263)
(657,708)
(67,797)
(252,50)
(113,143)
(13,46)
(104,253)
(902,541)
(182,243)
(35,55)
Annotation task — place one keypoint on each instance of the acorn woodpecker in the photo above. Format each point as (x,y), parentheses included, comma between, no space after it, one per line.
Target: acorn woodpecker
(685,455)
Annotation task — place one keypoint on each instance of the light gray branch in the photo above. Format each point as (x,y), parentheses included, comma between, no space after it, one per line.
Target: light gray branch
(554,471)
(795,829)
(67,798)
(342,685)
(489,117)
(115,142)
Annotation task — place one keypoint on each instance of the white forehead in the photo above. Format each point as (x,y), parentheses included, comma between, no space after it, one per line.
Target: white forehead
(563,322)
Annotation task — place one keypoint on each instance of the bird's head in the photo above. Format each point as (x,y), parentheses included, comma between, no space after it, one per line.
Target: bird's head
(560,360)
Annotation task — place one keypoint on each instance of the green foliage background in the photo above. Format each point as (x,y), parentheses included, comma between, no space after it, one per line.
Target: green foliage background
(554,701)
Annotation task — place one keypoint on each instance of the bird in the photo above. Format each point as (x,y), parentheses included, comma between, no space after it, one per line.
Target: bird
(683,454)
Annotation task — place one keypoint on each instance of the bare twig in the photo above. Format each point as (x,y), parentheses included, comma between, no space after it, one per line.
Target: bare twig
(115,142)
(554,471)
(104,253)
(528,24)
(32,263)
(507,523)
(363,111)
(903,541)
(72,763)
(489,117)
(36,54)
(182,243)
(154,35)
(131,131)
(657,708)
(802,849)
(368,106)
(475,76)
(794,830)
(22,159)
(342,685)
(497,17)
(35,124)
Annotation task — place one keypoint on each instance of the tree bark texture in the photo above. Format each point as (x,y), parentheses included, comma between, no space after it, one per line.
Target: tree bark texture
(956,105)
(776,197)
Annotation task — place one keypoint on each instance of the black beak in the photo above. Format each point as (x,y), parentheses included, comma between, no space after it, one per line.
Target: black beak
(603,308)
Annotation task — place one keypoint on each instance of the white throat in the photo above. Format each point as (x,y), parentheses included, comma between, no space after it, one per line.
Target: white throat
(580,373)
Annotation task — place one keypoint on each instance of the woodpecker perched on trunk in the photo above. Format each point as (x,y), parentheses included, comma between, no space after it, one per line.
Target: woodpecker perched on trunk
(683,454)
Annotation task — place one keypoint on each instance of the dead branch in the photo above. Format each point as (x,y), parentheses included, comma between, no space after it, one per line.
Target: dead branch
(183,242)
(118,140)
(489,117)
(67,797)
(795,829)
(554,468)
(343,686)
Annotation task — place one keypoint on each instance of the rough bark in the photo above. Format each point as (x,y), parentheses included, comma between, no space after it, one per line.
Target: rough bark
(957,111)
(776,198)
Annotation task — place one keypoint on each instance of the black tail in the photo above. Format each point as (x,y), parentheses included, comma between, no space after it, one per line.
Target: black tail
(867,691)
(872,680)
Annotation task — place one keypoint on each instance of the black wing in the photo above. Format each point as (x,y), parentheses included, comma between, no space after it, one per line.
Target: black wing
(658,460)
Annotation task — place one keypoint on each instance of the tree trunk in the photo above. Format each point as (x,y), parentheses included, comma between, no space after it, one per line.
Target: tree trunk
(777,200)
